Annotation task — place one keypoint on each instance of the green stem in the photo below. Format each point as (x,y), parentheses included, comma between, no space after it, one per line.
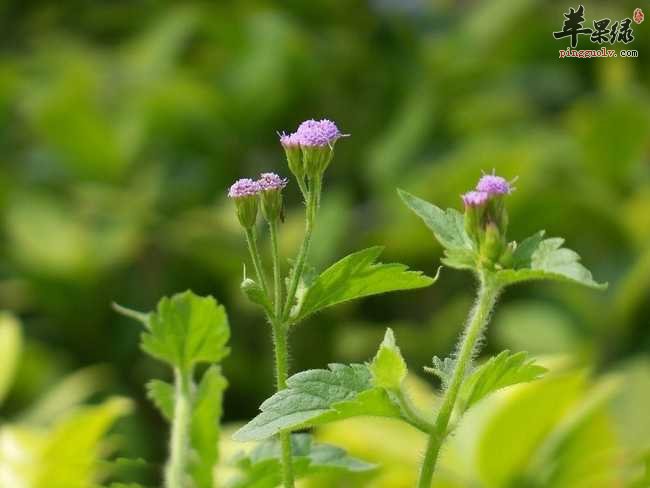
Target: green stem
(413,416)
(312,207)
(281,375)
(487,296)
(251,240)
(176,469)
(281,353)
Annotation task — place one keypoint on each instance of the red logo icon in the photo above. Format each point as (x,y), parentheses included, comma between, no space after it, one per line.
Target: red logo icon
(638,15)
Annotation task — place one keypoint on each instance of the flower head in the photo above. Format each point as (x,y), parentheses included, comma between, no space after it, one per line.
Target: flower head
(475,198)
(494,185)
(244,187)
(318,133)
(245,193)
(291,145)
(289,140)
(271,181)
(272,186)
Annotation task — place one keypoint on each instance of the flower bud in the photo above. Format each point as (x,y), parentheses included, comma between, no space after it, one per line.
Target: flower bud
(291,145)
(271,186)
(245,193)
(255,294)
(493,244)
(475,202)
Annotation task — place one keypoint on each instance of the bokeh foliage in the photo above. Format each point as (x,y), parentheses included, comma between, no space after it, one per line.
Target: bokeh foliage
(122,124)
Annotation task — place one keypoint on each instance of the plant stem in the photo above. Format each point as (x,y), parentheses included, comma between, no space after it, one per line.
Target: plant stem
(176,469)
(487,295)
(312,207)
(251,240)
(281,353)
(281,375)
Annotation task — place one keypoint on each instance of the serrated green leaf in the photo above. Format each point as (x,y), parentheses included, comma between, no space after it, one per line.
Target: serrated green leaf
(388,366)
(548,261)
(498,372)
(262,467)
(319,396)
(187,329)
(205,426)
(161,394)
(355,276)
(524,252)
(449,229)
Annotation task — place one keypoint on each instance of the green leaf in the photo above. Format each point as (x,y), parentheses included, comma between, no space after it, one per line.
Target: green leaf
(161,394)
(205,426)
(501,371)
(10,349)
(443,369)
(319,396)
(547,261)
(524,251)
(187,329)
(388,367)
(449,229)
(355,276)
(262,467)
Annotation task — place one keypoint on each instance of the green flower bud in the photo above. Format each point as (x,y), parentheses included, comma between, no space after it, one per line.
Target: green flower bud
(271,195)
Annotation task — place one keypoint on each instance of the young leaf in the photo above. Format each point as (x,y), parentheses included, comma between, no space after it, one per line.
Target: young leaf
(548,260)
(501,371)
(449,229)
(161,394)
(262,467)
(204,432)
(319,396)
(355,276)
(388,367)
(187,329)
(443,369)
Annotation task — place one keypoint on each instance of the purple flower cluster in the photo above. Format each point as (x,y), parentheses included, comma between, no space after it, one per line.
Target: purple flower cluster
(312,133)
(244,188)
(271,181)
(487,187)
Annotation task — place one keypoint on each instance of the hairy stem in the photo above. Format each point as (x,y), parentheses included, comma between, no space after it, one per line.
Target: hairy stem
(479,317)
(296,274)
(251,240)
(281,353)
(176,469)
(280,334)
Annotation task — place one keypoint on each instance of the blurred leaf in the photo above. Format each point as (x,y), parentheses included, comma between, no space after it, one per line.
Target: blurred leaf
(550,261)
(187,329)
(70,392)
(498,372)
(319,396)
(205,427)
(449,229)
(262,467)
(161,394)
(388,367)
(10,349)
(355,276)
(515,432)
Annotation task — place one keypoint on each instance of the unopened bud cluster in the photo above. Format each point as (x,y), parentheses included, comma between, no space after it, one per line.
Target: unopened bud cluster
(486,219)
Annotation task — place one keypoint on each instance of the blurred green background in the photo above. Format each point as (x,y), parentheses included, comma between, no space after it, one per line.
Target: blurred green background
(123,124)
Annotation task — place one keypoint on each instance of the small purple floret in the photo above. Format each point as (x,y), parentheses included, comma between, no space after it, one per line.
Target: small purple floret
(475,198)
(244,188)
(494,185)
(289,140)
(317,133)
(271,181)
